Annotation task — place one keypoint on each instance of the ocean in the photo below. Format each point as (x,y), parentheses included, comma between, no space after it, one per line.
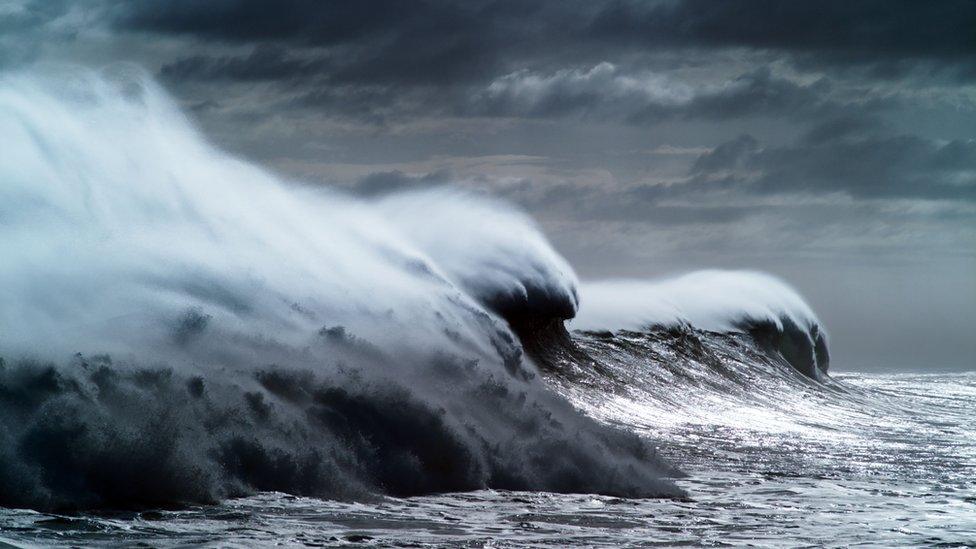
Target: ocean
(870,460)
(197,351)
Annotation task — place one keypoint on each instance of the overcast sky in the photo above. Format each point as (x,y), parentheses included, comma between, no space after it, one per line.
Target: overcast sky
(832,143)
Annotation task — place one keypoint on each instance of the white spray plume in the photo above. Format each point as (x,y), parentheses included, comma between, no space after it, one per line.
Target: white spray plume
(117,217)
(713,300)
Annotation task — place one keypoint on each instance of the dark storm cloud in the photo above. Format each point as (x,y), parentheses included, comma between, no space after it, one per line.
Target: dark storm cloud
(24,25)
(376,59)
(262,64)
(843,127)
(31,15)
(606,91)
(872,166)
(369,42)
(248,21)
(644,204)
(603,92)
(388,40)
(731,155)
(827,32)
(635,211)
(755,93)
(379,60)
(380,183)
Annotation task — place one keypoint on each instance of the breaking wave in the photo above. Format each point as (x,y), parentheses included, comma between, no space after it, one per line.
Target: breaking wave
(178,325)
(771,312)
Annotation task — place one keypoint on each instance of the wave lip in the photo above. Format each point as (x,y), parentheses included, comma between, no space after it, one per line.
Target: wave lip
(496,254)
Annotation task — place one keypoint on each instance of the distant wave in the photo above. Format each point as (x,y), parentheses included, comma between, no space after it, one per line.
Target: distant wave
(761,305)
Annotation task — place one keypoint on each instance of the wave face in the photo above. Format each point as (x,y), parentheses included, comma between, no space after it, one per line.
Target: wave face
(178,325)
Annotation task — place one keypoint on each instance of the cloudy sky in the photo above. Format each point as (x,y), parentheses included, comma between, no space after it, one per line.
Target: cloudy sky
(832,143)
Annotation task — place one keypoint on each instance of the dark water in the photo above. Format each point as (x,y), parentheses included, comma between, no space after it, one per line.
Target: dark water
(866,460)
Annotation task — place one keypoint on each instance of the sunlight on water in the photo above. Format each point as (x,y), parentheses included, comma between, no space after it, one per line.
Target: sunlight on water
(902,473)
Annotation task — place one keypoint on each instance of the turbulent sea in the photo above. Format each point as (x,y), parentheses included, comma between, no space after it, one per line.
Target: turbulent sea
(196,351)
(867,460)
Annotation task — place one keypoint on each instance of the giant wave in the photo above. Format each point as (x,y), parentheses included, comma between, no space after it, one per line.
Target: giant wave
(177,325)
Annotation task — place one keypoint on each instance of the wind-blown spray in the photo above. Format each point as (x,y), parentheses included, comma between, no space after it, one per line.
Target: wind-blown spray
(179,325)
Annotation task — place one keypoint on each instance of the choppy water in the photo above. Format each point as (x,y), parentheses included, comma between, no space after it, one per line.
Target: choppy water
(871,460)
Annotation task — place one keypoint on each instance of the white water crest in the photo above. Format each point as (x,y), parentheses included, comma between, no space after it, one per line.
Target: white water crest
(118,217)
(709,300)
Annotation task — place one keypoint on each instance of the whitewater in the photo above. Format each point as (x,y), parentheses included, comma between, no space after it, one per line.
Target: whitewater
(195,350)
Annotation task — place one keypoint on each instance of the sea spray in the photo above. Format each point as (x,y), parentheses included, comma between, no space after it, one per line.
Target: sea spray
(179,325)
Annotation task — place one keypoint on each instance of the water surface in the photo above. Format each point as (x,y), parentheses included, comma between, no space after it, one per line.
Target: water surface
(874,460)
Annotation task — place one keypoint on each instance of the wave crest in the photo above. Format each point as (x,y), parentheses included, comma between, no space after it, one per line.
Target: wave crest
(722,301)
(495,253)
